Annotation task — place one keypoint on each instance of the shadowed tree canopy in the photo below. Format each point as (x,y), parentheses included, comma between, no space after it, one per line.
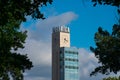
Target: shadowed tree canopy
(107,48)
(12,13)
(107,2)
(112,78)
(18,9)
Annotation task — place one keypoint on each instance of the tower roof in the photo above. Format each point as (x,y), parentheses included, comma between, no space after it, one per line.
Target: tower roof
(61,29)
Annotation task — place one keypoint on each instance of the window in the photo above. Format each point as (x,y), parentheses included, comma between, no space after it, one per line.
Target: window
(72,67)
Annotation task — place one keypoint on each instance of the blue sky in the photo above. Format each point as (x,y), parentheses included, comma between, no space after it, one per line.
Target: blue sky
(88,21)
(83,20)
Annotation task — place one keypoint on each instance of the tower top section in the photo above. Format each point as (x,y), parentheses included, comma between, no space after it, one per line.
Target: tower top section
(61,29)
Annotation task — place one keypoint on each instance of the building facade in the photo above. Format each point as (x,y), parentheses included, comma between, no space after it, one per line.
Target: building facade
(65,60)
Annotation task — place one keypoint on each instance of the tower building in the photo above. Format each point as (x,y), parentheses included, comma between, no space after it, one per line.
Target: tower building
(65,62)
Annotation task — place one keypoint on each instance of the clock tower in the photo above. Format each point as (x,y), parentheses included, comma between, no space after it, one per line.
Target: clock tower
(60,38)
(64,58)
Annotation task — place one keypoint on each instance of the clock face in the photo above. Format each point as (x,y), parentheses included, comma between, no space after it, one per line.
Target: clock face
(65,40)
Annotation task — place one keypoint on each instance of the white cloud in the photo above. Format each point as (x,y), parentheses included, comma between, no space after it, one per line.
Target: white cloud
(39,52)
(38,44)
(87,63)
(36,78)
(42,28)
(61,19)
